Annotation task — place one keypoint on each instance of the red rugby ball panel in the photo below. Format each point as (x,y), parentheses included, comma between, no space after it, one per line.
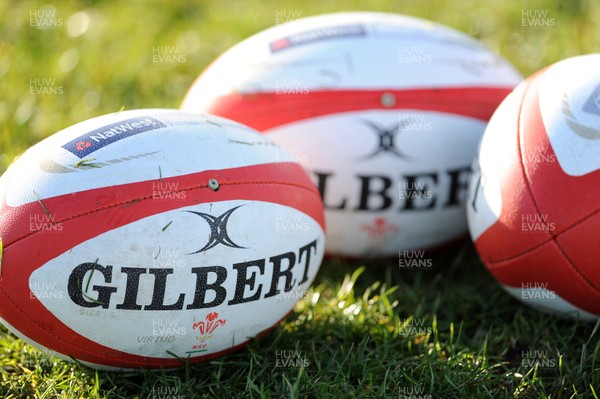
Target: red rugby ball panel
(146,238)
(533,201)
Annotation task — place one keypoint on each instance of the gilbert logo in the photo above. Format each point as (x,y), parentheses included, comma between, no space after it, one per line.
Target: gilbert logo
(591,106)
(386,140)
(218,230)
(205,331)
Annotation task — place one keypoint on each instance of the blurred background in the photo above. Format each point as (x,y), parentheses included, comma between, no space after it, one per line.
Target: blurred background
(67,61)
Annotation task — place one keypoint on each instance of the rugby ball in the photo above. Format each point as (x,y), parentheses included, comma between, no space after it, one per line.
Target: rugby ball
(533,206)
(149,238)
(384,111)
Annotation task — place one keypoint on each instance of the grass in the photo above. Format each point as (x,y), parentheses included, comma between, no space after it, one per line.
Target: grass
(365,329)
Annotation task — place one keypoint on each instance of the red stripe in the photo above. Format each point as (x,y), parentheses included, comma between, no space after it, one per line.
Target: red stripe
(264,111)
(75,205)
(87,214)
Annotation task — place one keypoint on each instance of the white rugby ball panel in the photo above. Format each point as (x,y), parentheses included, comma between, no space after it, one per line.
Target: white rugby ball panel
(141,252)
(549,301)
(151,144)
(355,50)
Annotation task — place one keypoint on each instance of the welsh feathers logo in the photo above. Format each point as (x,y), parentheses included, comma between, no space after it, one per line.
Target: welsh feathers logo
(218,230)
(379,232)
(205,330)
(379,228)
(591,106)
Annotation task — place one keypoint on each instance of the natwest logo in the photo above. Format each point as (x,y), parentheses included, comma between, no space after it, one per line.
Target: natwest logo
(319,34)
(98,138)
(251,279)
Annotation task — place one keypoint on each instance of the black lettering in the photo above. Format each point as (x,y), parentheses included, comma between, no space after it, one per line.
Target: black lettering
(457,186)
(131,289)
(158,295)
(76,286)
(244,281)
(202,286)
(306,250)
(418,192)
(278,273)
(367,192)
(321,185)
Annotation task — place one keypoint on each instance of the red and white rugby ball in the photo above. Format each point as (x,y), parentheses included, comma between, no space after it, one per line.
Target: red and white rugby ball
(146,238)
(385,112)
(533,206)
